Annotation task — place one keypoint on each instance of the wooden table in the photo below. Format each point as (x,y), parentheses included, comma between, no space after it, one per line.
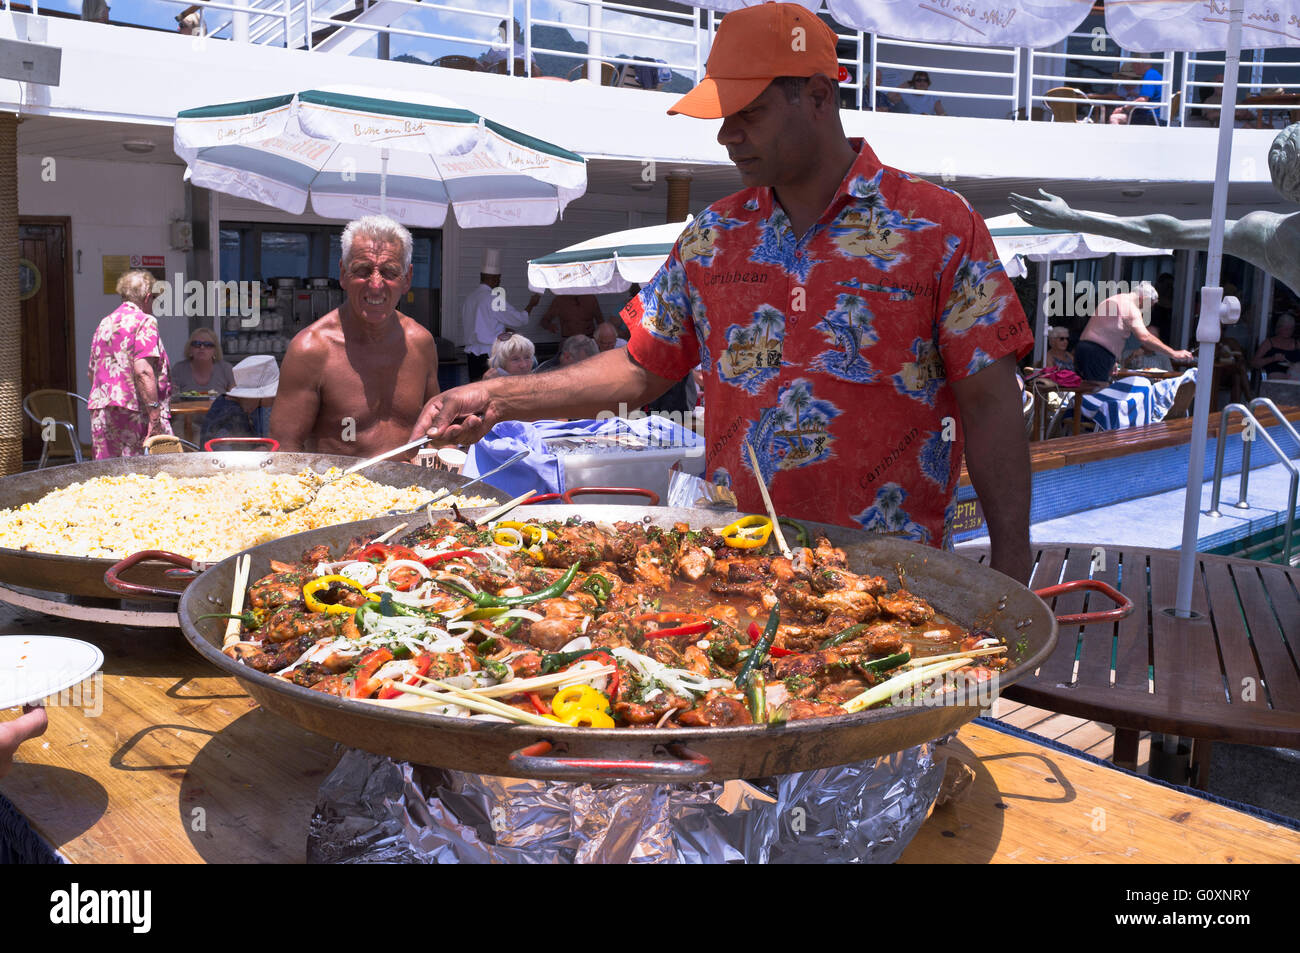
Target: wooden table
(1231,674)
(183,767)
(187,411)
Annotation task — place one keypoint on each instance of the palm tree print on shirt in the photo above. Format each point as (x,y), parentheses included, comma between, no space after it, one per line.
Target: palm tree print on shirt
(849,326)
(753,354)
(887,516)
(794,433)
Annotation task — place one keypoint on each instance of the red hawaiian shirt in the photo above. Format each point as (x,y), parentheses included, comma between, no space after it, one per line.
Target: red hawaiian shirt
(832,354)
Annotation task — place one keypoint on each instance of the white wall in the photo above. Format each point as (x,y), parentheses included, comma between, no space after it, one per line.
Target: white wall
(116,208)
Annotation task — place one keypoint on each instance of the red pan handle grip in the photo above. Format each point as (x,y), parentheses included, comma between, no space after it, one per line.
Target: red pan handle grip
(212,444)
(1123,605)
(532,762)
(541,498)
(113,580)
(616,490)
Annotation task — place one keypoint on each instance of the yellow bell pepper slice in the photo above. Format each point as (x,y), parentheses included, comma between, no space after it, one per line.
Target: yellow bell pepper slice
(748,532)
(588,718)
(577,698)
(323,582)
(539,533)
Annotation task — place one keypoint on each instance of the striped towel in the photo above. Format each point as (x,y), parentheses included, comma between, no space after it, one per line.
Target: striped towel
(1132,402)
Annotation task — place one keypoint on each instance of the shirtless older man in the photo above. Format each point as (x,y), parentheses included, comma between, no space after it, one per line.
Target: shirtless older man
(1102,342)
(354,381)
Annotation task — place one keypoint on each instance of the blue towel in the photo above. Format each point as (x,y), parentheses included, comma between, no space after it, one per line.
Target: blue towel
(1132,402)
(542,470)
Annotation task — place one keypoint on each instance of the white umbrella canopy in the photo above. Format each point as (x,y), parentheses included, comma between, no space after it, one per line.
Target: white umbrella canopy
(355,151)
(606,264)
(1017,240)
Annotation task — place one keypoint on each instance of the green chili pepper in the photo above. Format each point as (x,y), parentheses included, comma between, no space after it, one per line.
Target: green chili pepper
(876,666)
(486,601)
(487,645)
(556,661)
(598,586)
(512,628)
(844,636)
(761,648)
(801,534)
(498,670)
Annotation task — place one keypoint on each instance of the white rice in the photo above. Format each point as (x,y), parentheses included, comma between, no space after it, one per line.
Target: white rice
(206,518)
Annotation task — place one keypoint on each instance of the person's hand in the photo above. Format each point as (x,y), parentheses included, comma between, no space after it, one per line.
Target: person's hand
(457,417)
(155,426)
(1187,357)
(1049,212)
(532,302)
(30,724)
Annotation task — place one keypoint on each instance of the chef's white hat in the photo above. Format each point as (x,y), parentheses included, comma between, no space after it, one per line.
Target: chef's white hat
(491,261)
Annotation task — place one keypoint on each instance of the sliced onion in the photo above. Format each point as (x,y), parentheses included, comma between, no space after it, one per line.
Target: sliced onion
(528,614)
(581,642)
(597,682)
(504,721)
(515,544)
(385,577)
(458,580)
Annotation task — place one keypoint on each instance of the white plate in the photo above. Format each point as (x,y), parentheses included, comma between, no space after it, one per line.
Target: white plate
(37,666)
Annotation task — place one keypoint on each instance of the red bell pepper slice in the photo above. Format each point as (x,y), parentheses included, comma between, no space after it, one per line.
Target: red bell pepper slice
(689,623)
(408,580)
(755,633)
(603,659)
(364,685)
(422,663)
(454,554)
(383,552)
(539,706)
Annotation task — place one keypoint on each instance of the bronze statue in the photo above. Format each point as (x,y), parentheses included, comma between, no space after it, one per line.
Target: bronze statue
(1265,239)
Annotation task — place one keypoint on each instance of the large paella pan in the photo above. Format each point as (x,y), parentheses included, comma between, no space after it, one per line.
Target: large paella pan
(965,592)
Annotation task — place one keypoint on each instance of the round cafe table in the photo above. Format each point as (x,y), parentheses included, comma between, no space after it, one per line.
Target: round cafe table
(187,413)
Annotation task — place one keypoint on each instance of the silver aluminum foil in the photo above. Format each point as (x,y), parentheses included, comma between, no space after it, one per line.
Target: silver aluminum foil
(372,809)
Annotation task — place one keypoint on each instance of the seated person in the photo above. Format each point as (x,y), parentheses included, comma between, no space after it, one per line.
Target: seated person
(512,355)
(1147,91)
(575,349)
(204,368)
(922,102)
(1278,355)
(245,409)
(889,102)
(606,337)
(1058,349)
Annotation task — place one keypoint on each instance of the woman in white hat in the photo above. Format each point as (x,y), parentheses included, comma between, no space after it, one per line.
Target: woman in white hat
(245,409)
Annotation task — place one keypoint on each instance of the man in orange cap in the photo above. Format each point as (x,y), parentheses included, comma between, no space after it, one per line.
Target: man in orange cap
(854,324)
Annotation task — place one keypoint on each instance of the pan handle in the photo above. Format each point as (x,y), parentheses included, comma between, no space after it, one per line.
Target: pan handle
(616,490)
(541,498)
(532,762)
(1123,605)
(112,578)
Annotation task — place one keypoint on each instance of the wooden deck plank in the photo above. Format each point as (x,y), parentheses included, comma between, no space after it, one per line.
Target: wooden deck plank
(1133,650)
(1030,804)
(1098,642)
(1278,653)
(1058,669)
(1186,659)
(1234,631)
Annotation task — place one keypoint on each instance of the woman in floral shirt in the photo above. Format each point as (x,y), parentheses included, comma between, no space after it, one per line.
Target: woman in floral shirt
(130,380)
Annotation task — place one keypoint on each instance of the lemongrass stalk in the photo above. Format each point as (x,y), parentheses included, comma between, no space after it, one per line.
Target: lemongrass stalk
(892,686)
(973,653)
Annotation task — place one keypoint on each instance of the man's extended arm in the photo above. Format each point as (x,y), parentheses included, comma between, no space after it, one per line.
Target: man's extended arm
(997,459)
(297,401)
(603,382)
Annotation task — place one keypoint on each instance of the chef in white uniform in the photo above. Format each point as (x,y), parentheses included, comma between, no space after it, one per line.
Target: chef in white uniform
(487,314)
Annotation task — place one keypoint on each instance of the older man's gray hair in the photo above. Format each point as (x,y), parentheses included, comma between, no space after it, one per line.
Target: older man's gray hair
(578,348)
(379,228)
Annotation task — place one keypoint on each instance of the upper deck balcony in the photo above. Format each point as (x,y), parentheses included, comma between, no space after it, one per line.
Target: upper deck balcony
(598,76)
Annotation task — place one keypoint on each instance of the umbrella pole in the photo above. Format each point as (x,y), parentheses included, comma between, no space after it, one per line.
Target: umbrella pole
(1044,320)
(1209,327)
(383,181)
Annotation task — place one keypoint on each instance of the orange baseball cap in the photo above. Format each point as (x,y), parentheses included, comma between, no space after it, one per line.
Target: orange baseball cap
(754,46)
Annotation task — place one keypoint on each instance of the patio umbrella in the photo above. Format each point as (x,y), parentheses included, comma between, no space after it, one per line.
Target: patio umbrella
(357,152)
(1139,25)
(606,264)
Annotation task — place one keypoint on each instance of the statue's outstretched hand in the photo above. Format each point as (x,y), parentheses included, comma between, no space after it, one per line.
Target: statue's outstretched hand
(1051,211)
